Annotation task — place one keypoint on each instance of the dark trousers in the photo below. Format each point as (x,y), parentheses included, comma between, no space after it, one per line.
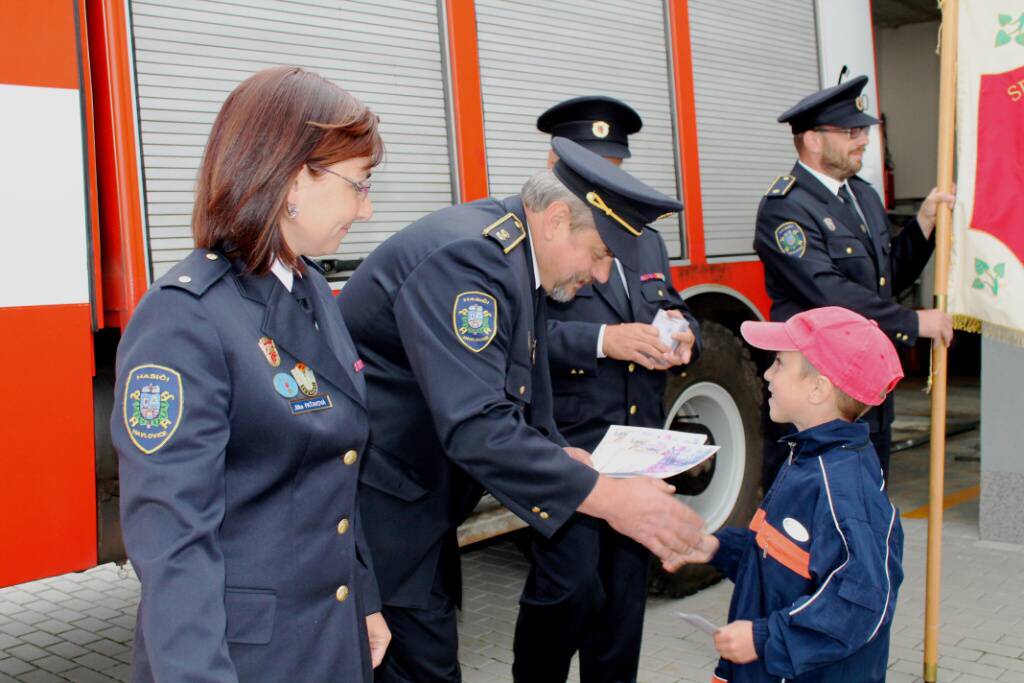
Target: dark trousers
(611,649)
(559,601)
(424,642)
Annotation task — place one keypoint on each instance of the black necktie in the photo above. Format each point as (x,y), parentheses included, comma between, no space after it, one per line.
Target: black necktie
(847,198)
(301,294)
(617,290)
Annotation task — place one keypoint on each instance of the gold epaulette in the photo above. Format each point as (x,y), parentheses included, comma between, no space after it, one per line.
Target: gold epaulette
(781,186)
(508,231)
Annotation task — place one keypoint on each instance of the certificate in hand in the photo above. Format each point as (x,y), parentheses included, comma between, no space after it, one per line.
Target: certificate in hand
(641,451)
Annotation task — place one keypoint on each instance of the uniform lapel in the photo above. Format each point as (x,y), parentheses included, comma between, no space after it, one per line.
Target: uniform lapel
(874,212)
(847,216)
(288,326)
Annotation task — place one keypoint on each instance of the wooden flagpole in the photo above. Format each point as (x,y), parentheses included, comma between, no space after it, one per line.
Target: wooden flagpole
(943,224)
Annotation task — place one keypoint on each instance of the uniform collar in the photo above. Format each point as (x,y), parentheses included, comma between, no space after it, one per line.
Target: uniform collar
(533,255)
(283,273)
(828,181)
(816,440)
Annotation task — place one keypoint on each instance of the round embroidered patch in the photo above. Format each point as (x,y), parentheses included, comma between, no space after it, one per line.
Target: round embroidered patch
(791,239)
(475,319)
(154,400)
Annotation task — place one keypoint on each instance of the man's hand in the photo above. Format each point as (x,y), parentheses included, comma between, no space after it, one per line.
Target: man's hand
(703,551)
(935,324)
(684,351)
(379,636)
(735,642)
(634,342)
(929,207)
(645,510)
(579,455)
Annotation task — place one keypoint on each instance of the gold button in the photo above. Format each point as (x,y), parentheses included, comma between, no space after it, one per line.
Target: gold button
(350,457)
(211,257)
(184,279)
(661,292)
(573,371)
(632,367)
(881,281)
(535,509)
(632,410)
(341,595)
(849,250)
(522,390)
(581,372)
(342,526)
(544,515)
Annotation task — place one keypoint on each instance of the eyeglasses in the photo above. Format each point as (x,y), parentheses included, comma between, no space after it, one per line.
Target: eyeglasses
(362,189)
(854,133)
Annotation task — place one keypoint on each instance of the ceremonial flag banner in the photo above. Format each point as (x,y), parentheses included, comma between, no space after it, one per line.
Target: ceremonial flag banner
(986,285)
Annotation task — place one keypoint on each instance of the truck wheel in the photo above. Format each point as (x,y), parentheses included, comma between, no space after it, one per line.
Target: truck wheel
(720,395)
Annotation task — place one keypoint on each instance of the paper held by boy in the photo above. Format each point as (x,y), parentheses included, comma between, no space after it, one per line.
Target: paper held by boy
(642,451)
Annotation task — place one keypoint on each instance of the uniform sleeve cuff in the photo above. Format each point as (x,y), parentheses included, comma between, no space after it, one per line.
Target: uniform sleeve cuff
(760,636)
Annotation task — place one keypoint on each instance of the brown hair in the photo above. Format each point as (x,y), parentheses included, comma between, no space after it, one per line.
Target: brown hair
(850,409)
(272,124)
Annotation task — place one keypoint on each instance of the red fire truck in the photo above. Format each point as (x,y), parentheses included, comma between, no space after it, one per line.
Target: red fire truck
(106,105)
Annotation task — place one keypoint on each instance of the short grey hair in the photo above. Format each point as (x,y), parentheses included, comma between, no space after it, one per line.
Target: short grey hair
(544,188)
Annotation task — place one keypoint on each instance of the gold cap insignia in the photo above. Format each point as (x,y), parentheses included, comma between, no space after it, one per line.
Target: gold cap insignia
(862,103)
(601,129)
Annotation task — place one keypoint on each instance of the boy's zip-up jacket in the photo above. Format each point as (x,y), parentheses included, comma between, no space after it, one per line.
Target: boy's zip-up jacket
(818,569)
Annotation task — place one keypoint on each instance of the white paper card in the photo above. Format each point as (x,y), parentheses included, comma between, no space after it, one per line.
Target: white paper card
(642,451)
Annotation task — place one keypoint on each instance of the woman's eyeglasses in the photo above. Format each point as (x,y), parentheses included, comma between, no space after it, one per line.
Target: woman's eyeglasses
(362,189)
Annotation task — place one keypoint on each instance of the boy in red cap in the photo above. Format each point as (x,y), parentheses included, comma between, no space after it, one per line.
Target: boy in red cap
(817,570)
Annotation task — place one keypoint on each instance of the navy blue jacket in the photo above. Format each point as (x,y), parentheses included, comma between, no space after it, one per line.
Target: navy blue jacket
(451,326)
(828,260)
(818,569)
(238,501)
(593,393)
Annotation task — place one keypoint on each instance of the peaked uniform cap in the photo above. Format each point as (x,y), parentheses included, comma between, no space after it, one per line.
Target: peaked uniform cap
(841,105)
(622,205)
(601,124)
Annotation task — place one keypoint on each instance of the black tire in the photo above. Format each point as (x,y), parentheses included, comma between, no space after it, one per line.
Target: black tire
(724,368)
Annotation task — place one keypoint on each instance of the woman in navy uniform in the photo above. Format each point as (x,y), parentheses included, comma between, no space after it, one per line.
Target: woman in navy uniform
(241,408)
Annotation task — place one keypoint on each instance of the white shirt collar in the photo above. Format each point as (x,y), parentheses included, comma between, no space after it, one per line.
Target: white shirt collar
(828,181)
(533,255)
(283,273)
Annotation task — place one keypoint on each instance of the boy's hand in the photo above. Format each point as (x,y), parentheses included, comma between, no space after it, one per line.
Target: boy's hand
(703,551)
(735,642)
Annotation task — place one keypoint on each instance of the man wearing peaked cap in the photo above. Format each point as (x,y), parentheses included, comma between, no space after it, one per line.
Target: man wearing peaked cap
(449,319)
(599,123)
(608,366)
(825,240)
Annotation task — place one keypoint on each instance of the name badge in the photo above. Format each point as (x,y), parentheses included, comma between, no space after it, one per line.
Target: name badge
(311,405)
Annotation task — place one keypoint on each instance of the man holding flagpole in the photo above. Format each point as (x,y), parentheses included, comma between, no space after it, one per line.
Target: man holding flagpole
(825,240)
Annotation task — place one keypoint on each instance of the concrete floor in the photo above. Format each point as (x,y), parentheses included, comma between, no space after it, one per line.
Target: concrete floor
(78,627)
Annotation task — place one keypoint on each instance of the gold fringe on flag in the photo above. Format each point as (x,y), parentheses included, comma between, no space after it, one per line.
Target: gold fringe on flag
(1000,333)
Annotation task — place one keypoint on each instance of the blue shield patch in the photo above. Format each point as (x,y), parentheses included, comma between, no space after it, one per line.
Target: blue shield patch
(154,399)
(475,319)
(791,239)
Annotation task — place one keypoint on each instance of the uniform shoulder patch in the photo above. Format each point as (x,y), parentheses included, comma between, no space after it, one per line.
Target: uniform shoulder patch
(791,239)
(475,319)
(154,400)
(781,186)
(508,231)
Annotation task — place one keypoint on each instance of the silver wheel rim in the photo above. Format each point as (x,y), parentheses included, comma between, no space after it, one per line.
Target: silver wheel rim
(713,407)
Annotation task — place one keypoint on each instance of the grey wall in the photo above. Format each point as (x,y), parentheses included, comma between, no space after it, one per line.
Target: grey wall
(1001,515)
(908,94)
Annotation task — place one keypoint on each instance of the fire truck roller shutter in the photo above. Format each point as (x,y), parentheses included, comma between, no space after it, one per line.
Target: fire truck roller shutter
(749,63)
(534,54)
(189,54)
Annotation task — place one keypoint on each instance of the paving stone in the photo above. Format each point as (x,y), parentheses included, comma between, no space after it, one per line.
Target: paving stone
(13,666)
(39,676)
(83,675)
(95,660)
(27,652)
(53,664)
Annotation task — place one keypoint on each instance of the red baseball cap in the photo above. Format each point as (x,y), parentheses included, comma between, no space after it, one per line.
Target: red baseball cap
(844,346)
